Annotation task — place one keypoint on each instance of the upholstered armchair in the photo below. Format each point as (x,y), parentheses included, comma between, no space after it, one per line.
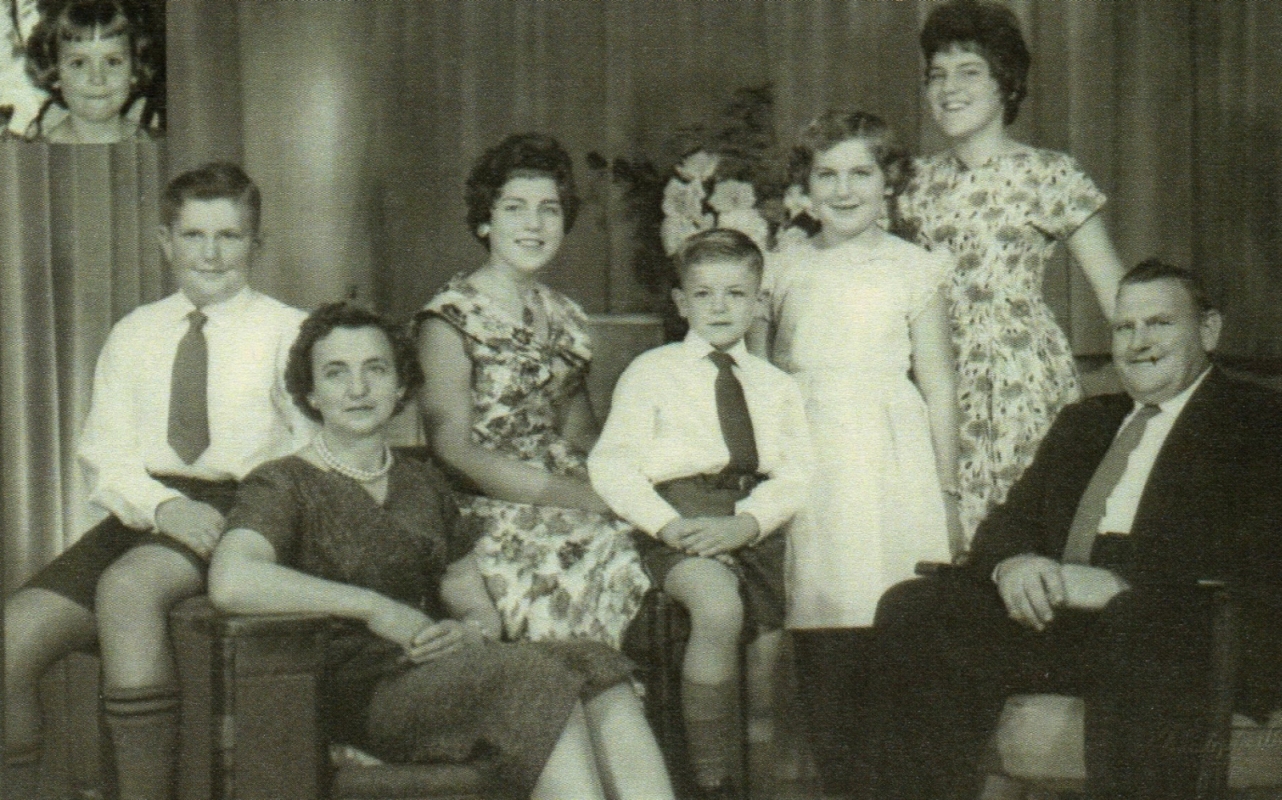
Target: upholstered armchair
(1038,749)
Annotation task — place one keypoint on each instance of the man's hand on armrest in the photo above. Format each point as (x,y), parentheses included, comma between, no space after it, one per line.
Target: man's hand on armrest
(195,524)
(1032,587)
(1090,588)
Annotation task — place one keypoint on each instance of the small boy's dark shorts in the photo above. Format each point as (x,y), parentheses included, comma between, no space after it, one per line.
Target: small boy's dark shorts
(75,573)
(759,566)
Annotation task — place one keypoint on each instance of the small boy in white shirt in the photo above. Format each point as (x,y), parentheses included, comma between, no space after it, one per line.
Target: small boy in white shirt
(706,451)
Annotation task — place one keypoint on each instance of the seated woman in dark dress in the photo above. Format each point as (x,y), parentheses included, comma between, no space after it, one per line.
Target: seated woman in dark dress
(346,528)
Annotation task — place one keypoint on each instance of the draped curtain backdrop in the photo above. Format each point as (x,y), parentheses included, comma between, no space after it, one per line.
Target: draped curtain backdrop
(360,121)
(77,252)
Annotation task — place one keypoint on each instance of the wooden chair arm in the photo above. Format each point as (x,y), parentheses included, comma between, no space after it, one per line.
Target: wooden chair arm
(929,568)
(250,688)
(204,615)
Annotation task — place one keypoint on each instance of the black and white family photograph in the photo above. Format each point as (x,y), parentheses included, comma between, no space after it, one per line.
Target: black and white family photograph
(641,399)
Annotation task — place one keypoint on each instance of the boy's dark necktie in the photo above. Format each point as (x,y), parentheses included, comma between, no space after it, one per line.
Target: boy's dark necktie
(188,393)
(732,411)
(1090,509)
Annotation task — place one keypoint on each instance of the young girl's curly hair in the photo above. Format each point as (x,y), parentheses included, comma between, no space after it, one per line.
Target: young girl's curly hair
(85,20)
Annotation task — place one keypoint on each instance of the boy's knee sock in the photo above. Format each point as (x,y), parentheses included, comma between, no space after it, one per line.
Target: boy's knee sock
(144,732)
(713,731)
(22,772)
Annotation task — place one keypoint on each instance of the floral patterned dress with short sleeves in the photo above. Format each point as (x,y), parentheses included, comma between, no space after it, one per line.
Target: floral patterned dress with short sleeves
(554,573)
(1002,221)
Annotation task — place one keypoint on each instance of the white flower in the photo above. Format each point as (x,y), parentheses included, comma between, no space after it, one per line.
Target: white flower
(732,195)
(681,199)
(699,166)
(797,202)
(748,221)
(675,229)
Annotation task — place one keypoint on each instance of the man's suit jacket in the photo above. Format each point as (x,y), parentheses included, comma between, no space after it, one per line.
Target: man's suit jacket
(1212,506)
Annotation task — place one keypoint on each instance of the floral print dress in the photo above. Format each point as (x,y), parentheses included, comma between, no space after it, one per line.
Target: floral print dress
(1015,370)
(554,573)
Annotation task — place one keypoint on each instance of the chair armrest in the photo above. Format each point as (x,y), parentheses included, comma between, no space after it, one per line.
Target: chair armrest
(250,685)
(928,568)
(199,612)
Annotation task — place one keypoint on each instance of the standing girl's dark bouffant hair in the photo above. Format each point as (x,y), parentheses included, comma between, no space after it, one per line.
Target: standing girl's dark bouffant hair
(300,379)
(834,127)
(990,30)
(519,155)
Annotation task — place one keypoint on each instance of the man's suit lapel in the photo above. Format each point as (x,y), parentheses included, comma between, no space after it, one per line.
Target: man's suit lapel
(1180,473)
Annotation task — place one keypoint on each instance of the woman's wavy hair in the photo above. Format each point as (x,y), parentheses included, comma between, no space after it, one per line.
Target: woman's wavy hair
(990,30)
(300,378)
(830,129)
(84,20)
(519,155)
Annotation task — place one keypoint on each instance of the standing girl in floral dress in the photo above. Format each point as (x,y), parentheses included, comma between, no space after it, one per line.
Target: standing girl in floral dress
(1000,207)
(853,311)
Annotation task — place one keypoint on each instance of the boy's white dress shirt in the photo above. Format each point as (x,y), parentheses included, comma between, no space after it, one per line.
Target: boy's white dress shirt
(125,440)
(663,425)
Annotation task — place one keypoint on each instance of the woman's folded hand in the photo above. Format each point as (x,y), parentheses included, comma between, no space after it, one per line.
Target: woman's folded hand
(397,622)
(441,639)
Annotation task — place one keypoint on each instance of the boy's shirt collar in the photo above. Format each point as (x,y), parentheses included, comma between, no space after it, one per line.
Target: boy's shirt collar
(697,347)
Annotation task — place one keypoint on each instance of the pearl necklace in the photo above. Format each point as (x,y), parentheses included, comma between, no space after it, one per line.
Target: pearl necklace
(358,475)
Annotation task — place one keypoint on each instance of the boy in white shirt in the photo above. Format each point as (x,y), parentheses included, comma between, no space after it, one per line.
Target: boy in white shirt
(706,451)
(188,397)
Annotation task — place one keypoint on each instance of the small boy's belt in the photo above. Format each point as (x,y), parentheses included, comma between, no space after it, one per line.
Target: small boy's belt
(730,481)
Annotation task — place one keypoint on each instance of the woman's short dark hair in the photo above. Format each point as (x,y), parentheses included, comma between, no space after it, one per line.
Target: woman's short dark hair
(990,30)
(84,20)
(519,155)
(300,378)
(217,180)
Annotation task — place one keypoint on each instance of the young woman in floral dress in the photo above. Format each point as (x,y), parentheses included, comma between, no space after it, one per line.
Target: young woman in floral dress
(1001,207)
(506,409)
(507,413)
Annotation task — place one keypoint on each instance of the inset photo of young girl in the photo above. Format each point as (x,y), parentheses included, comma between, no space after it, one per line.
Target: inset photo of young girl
(92,71)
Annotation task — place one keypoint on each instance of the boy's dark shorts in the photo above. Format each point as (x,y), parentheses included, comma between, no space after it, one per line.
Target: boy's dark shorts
(75,573)
(759,566)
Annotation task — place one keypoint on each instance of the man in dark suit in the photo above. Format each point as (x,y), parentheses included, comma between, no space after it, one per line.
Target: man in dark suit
(1085,580)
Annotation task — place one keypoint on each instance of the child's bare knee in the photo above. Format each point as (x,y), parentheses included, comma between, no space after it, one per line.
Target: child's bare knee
(146,581)
(719,611)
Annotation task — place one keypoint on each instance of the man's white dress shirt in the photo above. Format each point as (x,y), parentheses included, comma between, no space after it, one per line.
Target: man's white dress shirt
(1124,501)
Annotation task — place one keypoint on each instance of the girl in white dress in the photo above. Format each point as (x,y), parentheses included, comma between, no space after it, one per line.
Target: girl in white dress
(856,315)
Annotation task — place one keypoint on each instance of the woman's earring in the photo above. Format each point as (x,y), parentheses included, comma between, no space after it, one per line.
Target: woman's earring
(483,230)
